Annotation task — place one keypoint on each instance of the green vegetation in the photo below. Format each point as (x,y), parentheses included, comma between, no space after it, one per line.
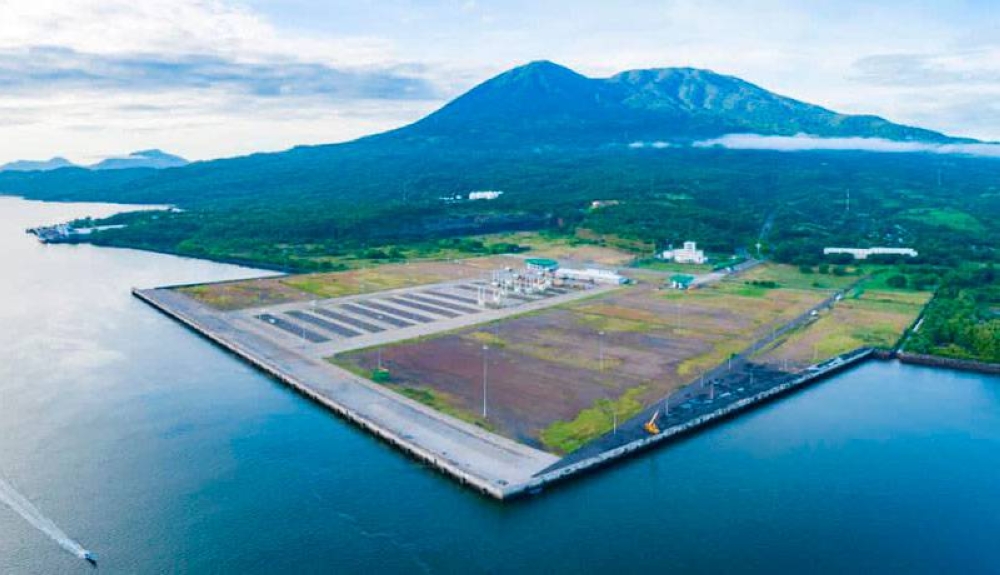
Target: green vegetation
(868,319)
(314,221)
(555,141)
(825,277)
(432,398)
(665,266)
(949,218)
(440,401)
(963,320)
(593,422)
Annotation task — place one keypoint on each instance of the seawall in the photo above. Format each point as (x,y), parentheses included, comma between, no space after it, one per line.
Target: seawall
(398,440)
(813,374)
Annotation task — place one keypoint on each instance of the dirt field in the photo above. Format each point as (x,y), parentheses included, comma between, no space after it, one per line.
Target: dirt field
(269,291)
(547,384)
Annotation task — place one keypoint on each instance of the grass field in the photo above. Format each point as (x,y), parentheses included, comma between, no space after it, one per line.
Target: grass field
(787,276)
(558,377)
(875,319)
(371,277)
(950,218)
(673,267)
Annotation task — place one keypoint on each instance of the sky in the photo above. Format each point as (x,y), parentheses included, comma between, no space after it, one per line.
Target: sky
(88,79)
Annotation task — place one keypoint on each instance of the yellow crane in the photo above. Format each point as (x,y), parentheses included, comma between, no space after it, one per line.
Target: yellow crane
(650,426)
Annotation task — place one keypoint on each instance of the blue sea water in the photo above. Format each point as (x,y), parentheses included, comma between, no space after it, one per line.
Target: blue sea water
(164,454)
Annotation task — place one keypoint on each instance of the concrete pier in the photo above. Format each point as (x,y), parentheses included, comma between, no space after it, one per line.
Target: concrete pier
(491,464)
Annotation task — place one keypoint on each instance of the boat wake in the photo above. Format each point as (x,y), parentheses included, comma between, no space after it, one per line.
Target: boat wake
(27,510)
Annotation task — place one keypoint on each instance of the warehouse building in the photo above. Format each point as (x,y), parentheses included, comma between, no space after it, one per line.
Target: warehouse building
(864,253)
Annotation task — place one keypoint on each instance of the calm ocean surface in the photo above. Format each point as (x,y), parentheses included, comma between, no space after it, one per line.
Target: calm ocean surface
(165,455)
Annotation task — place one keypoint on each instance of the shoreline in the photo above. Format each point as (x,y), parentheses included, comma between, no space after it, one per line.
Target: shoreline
(490,464)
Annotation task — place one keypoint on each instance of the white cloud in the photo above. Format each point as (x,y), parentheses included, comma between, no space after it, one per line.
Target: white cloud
(174,27)
(91,78)
(302,71)
(804,143)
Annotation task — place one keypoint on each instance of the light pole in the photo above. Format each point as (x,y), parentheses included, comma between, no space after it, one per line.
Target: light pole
(379,349)
(600,350)
(486,348)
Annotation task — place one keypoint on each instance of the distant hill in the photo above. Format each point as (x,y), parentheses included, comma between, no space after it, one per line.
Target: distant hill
(535,107)
(37,166)
(553,140)
(155,159)
(143,159)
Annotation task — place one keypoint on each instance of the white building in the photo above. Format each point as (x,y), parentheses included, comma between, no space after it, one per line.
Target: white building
(485,195)
(689,254)
(594,275)
(863,253)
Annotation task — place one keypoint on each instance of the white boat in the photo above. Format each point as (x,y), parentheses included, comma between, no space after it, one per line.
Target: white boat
(89,557)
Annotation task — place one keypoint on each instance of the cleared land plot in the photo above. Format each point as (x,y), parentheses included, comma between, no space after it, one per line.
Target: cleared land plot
(244,294)
(227,296)
(876,319)
(554,381)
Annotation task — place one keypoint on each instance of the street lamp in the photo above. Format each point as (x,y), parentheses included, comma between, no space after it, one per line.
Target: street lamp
(486,348)
(600,350)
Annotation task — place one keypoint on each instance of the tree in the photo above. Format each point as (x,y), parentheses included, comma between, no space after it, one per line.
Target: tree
(897,281)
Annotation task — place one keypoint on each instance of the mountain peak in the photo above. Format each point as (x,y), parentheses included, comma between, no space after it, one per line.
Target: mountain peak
(540,67)
(544,103)
(538,75)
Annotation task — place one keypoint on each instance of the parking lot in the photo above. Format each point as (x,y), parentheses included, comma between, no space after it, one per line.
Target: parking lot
(325,326)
